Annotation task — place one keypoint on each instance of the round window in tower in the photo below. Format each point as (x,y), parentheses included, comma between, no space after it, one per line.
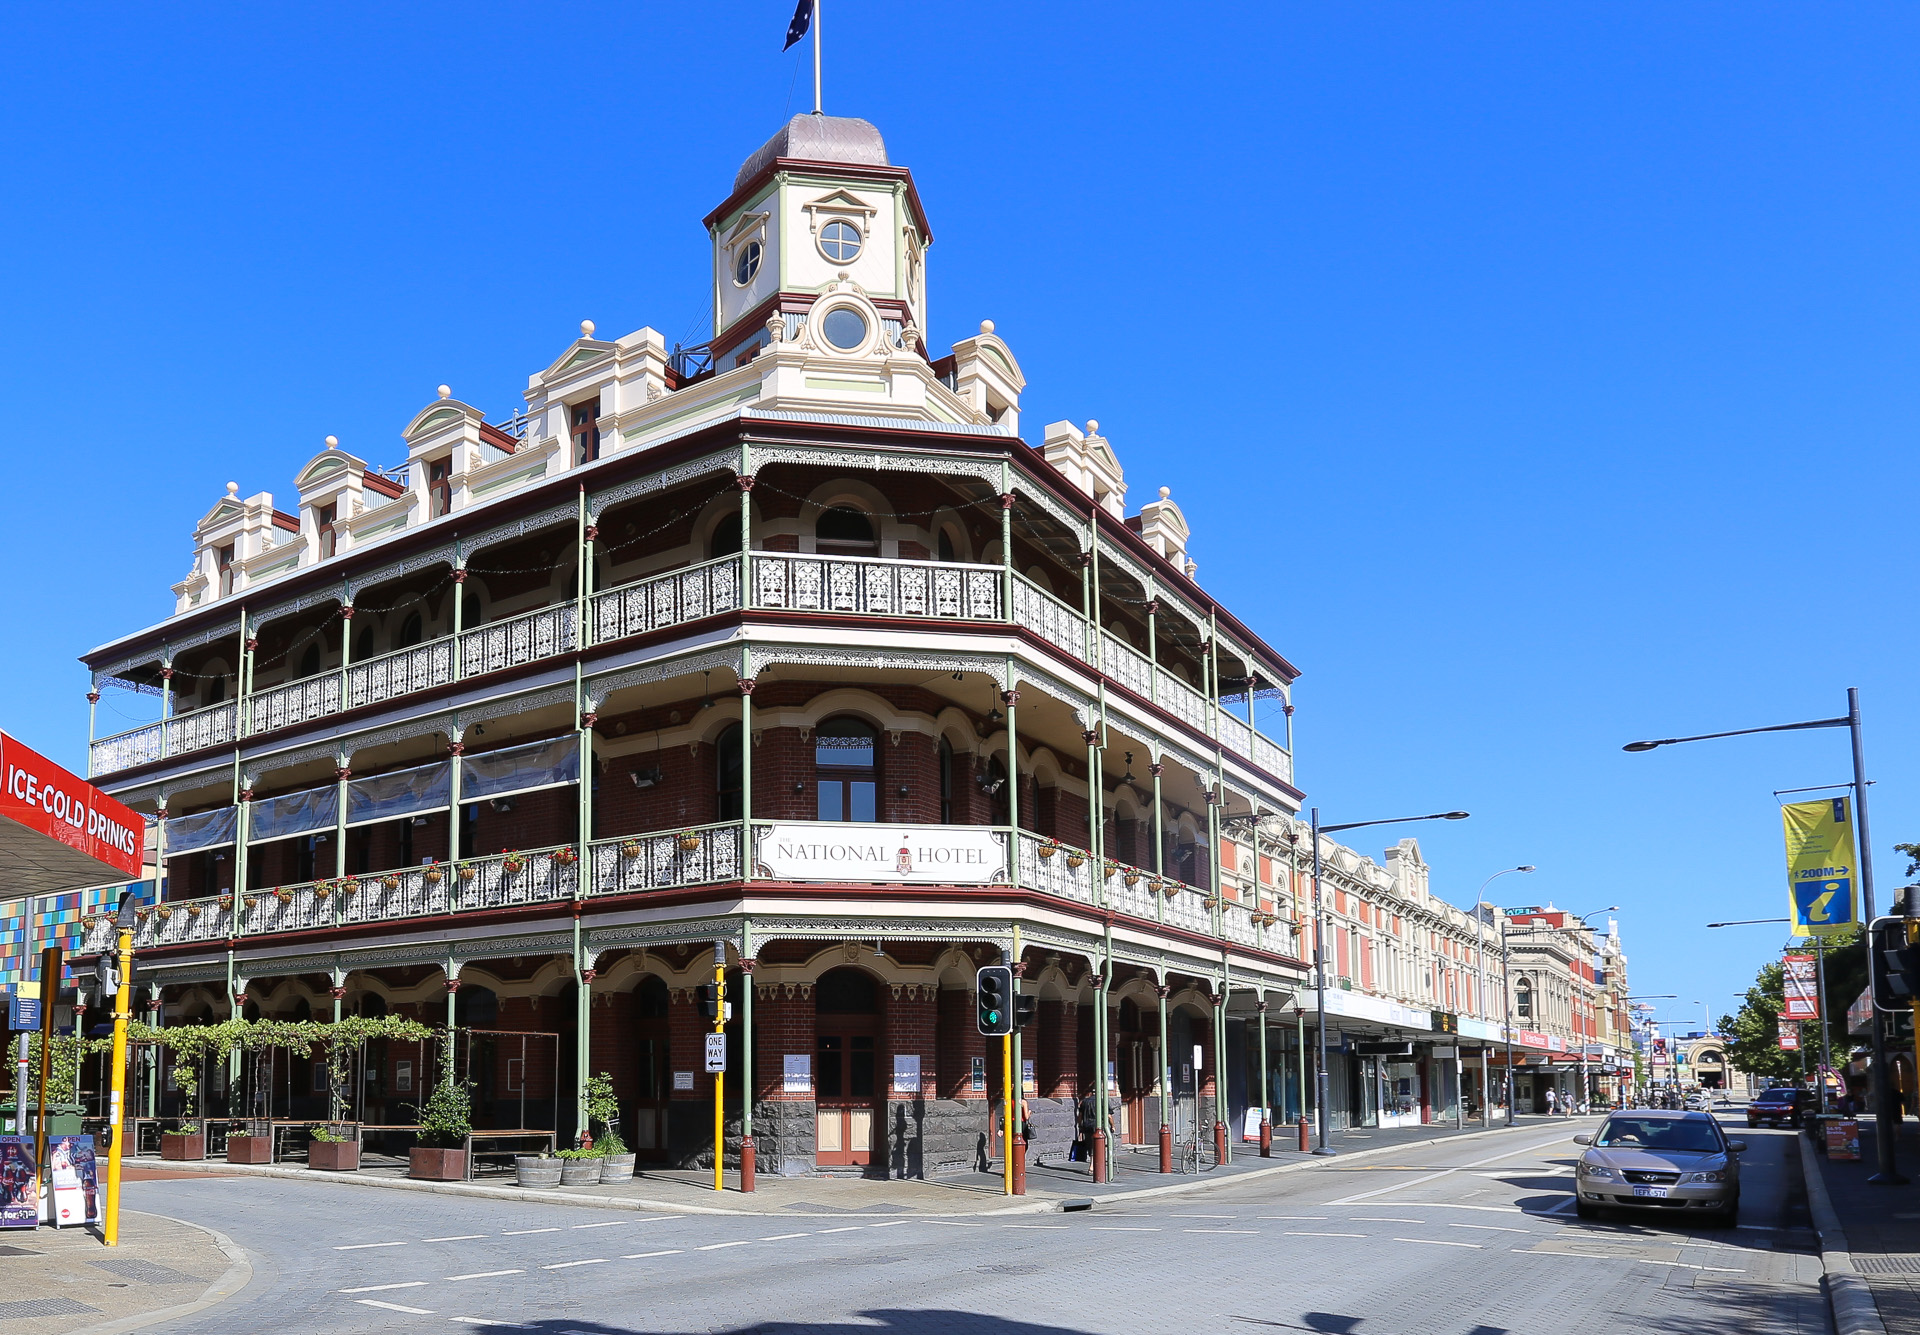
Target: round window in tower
(840,241)
(844,328)
(746,264)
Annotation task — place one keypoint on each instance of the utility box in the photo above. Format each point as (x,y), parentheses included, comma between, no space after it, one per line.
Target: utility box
(63,1119)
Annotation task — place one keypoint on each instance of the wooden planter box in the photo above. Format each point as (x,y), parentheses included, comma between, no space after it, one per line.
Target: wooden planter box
(432,1165)
(178,1145)
(249,1149)
(337,1156)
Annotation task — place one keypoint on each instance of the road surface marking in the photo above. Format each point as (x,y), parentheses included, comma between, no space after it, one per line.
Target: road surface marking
(516,1232)
(1444,1172)
(641,1256)
(1205,1216)
(484,1274)
(1437,1242)
(605,1223)
(1724,1269)
(846,1229)
(890,1223)
(1122,1228)
(568,1265)
(1383,1219)
(1021,1226)
(1248,1232)
(395,1307)
(362,1246)
(1304,1233)
(458,1237)
(1562,1207)
(1492,1228)
(782,1237)
(716,1246)
(375,1288)
(1303,1218)
(1451,1205)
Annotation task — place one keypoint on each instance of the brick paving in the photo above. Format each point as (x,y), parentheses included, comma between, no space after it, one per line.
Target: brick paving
(1882,1224)
(59,1280)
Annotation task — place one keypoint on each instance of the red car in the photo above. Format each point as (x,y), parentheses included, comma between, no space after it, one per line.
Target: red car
(1778,1107)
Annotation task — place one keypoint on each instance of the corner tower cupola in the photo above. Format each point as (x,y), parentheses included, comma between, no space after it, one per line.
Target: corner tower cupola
(817,204)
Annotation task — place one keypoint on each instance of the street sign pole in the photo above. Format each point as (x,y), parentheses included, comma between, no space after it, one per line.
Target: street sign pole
(1007,1125)
(720,1075)
(116,1109)
(50,968)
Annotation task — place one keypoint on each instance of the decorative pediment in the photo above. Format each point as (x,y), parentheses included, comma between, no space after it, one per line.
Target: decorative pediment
(223,511)
(328,465)
(840,202)
(438,414)
(579,353)
(749,227)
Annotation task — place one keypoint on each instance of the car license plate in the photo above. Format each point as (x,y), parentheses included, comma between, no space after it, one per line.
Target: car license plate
(1658,1192)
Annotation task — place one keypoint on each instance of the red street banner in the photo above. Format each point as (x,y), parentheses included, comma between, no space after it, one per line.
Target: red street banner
(1801,995)
(1789,1035)
(42,807)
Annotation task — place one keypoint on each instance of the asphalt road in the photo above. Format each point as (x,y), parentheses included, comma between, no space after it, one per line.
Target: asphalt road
(1475,1237)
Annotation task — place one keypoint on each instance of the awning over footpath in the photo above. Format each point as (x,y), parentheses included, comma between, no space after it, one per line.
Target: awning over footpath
(57,831)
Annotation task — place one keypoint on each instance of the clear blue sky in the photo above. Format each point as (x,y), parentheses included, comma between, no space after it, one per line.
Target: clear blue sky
(1536,378)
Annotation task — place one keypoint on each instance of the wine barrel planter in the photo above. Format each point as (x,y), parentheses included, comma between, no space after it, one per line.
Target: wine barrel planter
(537,1171)
(579,1172)
(617,1167)
(180,1145)
(433,1165)
(336,1156)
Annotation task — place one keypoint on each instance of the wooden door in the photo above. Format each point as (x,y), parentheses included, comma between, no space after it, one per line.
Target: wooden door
(846,1091)
(1136,1084)
(653,1074)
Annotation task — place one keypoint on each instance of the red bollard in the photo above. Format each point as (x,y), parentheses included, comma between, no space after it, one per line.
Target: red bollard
(746,1163)
(1019,1166)
(1219,1142)
(1303,1133)
(1099,1155)
(1166,1148)
(1266,1139)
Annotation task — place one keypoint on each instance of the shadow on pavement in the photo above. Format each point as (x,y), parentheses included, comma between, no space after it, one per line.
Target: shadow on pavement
(933,1321)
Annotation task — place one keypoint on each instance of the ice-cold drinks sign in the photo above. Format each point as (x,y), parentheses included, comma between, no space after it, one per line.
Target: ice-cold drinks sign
(884,854)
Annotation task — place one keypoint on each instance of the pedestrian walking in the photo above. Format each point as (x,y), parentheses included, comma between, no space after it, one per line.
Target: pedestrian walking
(1550,1102)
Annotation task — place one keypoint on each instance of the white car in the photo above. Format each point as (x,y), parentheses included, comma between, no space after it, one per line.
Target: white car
(1699,1102)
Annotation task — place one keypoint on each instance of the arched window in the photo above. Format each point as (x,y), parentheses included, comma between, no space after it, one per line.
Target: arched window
(310,660)
(846,766)
(411,631)
(650,998)
(1523,999)
(475,1007)
(726,538)
(216,690)
(946,782)
(727,770)
(844,531)
(846,991)
(944,546)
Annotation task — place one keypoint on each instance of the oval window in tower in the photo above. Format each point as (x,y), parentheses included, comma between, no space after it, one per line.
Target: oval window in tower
(746,264)
(844,328)
(840,241)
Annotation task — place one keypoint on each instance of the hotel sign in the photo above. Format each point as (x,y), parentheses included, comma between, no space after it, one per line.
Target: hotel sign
(884,854)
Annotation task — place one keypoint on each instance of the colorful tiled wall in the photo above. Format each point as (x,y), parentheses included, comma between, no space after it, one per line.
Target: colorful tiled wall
(57,921)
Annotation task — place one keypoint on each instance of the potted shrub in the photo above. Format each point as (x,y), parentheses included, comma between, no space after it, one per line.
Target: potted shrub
(603,1113)
(331,1149)
(189,1142)
(580,1168)
(243,1148)
(540,1170)
(446,1120)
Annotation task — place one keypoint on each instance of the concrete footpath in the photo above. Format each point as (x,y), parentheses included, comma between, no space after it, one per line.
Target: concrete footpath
(65,1282)
(1869,1234)
(1050,1188)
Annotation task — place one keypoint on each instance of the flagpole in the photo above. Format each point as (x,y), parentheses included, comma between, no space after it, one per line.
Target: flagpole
(817,6)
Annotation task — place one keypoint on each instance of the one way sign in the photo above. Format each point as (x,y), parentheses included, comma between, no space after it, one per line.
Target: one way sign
(716,1054)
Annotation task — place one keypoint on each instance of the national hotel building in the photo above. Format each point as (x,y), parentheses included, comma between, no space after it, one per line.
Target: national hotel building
(792,643)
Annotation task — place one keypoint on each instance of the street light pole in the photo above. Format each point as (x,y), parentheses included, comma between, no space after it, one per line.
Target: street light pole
(1886,1117)
(1481,948)
(1320,954)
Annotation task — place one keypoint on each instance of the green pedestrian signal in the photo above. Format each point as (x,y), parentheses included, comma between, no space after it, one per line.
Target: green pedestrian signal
(993,997)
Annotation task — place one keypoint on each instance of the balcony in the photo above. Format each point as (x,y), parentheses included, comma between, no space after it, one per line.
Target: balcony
(789,582)
(653,863)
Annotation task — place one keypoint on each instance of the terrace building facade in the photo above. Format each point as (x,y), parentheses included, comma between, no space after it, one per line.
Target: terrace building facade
(789,646)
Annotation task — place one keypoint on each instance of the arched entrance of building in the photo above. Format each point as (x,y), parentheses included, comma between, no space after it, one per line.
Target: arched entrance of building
(1135,1038)
(652,1076)
(846,1065)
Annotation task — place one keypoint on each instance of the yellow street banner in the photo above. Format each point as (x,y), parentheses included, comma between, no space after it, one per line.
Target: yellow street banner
(1820,865)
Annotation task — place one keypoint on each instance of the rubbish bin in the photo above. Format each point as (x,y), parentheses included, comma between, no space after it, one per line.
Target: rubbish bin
(63,1119)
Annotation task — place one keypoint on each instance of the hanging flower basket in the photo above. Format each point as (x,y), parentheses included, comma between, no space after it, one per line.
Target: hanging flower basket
(391,882)
(248,900)
(1130,877)
(433,875)
(688,840)
(226,902)
(1076,859)
(1048,850)
(1171,888)
(142,914)
(566,857)
(321,889)
(630,848)
(193,910)
(466,873)
(512,863)
(164,912)
(284,895)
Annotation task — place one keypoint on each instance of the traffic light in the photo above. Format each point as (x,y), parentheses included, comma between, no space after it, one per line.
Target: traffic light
(1897,978)
(1025,1008)
(993,998)
(709,1001)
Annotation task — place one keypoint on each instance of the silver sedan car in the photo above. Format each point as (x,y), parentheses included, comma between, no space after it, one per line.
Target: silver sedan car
(1673,1161)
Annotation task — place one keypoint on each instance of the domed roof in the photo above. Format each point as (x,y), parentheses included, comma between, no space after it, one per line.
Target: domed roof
(817,138)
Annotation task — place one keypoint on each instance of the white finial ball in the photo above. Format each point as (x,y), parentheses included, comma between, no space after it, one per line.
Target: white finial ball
(1093,427)
(333,442)
(986,326)
(445,392)
(1165,492)
(586,329)
(233,488)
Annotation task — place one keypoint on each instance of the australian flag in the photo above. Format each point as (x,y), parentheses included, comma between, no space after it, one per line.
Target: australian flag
(802,20)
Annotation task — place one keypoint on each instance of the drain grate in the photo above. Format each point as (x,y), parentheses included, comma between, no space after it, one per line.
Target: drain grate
(143,1272)
(1887,1265)
(44,1307)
